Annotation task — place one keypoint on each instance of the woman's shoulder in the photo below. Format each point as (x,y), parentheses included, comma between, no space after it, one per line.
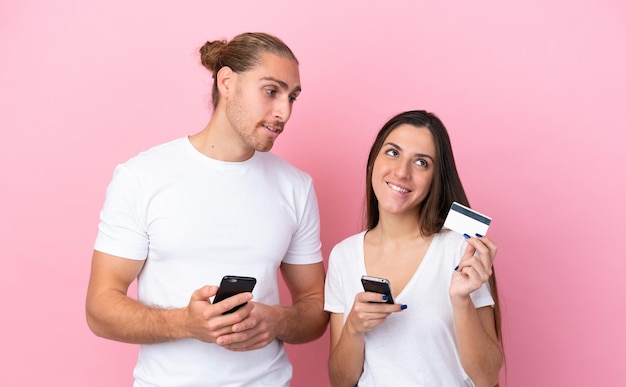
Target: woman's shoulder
(352,240)
(450,236)
(447,239)
(349,245)
(347,254)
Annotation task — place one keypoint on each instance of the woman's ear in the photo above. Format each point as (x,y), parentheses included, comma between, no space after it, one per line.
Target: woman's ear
(225,80)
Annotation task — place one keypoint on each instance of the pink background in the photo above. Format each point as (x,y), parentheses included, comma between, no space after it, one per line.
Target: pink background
(532,94)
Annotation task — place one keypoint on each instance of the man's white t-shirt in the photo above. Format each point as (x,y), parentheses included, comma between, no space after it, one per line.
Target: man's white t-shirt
(193,220)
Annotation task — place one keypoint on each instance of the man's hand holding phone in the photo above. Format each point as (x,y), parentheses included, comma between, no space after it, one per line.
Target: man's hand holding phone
(232,285)
(232,321)
(208,321)
(250,324)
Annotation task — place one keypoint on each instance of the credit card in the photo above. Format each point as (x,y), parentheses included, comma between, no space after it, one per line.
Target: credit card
(464,220)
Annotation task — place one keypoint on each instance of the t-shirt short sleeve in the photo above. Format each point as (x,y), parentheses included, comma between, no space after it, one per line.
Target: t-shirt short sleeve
(305,246)
(122,227)
(333,289)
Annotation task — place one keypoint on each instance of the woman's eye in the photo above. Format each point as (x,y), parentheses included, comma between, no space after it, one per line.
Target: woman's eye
(292,99)
(421,163)
(391,152)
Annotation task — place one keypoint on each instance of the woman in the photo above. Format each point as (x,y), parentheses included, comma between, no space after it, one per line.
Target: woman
(444,329)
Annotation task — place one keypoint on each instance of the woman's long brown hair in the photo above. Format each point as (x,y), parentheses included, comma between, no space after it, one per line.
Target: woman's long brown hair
(445,189)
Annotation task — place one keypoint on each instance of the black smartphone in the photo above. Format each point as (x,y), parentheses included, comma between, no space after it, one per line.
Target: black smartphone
(378,285)
(231,285)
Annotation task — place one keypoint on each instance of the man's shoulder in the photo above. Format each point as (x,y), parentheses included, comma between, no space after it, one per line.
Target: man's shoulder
(282,166)
(158,153)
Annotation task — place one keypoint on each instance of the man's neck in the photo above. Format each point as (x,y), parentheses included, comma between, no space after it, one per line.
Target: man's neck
(218,141)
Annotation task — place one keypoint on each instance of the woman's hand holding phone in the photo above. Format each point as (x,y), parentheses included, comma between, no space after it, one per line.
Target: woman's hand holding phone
(378,285)
(372,307)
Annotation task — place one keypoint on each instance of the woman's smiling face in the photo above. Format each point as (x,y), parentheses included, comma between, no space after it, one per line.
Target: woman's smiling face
(403,170)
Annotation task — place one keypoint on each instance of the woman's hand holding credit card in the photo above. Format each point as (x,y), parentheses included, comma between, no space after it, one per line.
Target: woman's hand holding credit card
(470,223)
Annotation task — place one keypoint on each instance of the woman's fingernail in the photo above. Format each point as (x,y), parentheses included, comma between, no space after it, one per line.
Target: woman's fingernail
(479,236)
(466,236)
(456,268)
(384,297)
(403,306)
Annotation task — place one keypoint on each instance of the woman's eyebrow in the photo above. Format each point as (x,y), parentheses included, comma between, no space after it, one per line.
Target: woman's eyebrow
(400,148)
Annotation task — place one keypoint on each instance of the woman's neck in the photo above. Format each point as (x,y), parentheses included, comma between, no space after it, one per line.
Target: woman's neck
(397,229)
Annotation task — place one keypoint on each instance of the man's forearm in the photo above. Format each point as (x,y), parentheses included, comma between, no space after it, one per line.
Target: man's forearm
(305,321)
(118,317)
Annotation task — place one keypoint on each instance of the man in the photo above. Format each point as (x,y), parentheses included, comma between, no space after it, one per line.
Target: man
(184,214)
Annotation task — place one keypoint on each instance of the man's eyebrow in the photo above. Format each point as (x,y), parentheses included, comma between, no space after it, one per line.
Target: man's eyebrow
(282,84)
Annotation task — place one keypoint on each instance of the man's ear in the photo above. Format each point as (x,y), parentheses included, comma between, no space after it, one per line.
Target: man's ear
(226,79)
